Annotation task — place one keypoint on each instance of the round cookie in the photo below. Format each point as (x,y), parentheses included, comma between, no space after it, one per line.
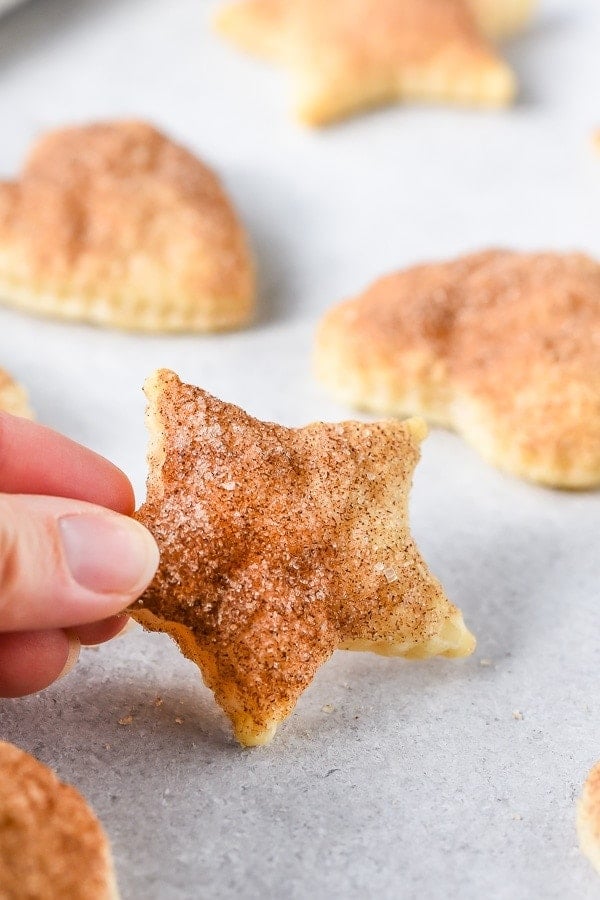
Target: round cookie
(52,846)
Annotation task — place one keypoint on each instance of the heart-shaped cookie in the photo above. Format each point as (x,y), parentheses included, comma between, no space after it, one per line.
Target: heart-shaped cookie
(117,225)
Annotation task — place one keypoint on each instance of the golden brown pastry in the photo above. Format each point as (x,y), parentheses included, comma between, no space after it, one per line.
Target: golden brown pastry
(348,55)
(115,224)
(52,847)
(503,347)
(13,397)
(502,18)
(588,818)
(279,546)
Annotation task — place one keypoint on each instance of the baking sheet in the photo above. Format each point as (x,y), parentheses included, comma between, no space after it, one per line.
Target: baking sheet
(391,779)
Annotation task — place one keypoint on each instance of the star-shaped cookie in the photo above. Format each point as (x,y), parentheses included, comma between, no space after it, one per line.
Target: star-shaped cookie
(503,347)
(51,844)
(13,397)
(279,546)
(117,225)
(348,55)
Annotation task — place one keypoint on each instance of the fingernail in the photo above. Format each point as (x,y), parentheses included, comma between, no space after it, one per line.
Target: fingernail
(72,656)
(108,554)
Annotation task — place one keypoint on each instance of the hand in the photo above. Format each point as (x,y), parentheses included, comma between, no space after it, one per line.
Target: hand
(69,562)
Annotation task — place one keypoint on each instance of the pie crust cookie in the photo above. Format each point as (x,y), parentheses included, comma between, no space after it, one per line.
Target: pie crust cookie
(349,55)
(588,818)
(52,846)
(503,18)
(280,545)
(116,225)
(502,347)
(13,397)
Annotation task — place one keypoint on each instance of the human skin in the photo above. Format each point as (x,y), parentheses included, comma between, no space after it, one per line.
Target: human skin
(71,558)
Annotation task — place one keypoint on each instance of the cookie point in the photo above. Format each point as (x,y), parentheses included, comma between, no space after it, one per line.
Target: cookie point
(248,734)
(417,427)
(461,641)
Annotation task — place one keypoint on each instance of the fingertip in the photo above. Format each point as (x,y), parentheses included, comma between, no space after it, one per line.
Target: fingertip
(99,632)
(122,498)
(31,661)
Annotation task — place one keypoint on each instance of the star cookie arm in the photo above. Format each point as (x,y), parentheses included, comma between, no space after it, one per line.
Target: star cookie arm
(343,59)
(13,397)
(503,18)
(397,608)
(255,26)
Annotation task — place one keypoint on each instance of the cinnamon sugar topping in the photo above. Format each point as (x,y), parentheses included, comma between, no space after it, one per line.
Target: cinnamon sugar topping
(260,584)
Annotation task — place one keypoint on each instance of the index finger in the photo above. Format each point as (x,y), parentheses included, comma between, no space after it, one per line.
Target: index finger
(37,460)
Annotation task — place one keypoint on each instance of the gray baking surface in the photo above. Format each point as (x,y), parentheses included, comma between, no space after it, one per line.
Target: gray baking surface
(391,779)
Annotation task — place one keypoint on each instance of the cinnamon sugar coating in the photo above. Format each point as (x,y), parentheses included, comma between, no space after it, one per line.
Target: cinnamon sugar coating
(588,818)
(52,847)
(279,546)
(503,347)
(348,55)
(117,225)
(13,397)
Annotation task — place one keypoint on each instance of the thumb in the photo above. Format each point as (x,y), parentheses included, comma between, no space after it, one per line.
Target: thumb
(66,562)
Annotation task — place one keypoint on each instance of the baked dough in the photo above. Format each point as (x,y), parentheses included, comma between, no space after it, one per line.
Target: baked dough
(503,347)
(115,224)
(348,55)
(279,546)
(13,397)
(52,846)
(588,818)
(503,18)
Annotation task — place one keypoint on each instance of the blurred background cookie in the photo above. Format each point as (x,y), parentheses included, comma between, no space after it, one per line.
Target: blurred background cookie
(117,225)
(503,347)
(52,846)
(348,55)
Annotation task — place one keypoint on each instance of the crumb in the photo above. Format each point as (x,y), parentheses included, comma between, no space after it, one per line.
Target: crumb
(328,708)
(179,720)
(158,701)
(518,715)
(517,817)
(108,747)
(126,720)
(485,663)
